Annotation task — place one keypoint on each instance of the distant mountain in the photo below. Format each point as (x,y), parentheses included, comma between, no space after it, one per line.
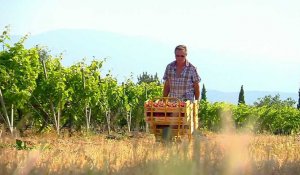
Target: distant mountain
(250,96)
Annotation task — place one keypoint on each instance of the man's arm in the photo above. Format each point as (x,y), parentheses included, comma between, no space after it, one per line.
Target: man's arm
(197,90)
(166,88)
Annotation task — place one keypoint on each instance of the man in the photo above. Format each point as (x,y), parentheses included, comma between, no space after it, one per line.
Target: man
(181,77)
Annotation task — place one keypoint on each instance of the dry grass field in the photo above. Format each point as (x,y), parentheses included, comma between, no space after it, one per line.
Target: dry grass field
(225,154)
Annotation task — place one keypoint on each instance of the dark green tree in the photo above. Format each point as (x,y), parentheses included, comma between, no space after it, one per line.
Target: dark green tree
(203,94)
(147,78)
(298,105)
(241,96)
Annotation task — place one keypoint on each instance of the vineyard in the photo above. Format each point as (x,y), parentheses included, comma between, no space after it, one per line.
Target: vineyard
(38,92)
(40,96)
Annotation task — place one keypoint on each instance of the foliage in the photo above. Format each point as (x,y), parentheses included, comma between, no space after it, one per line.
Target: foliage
(147,78)
(203,93)
(241,96)
(274,101)
(245,117)
(298,105)
(279,120)
(270,115)
(210,115)
(19,67)
(22,145)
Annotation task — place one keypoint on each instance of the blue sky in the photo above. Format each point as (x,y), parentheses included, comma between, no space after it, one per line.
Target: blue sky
(251,42)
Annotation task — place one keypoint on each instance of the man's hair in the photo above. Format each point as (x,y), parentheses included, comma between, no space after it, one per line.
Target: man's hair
(181,47)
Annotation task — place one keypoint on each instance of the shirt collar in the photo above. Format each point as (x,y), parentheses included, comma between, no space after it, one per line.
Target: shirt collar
(187,63)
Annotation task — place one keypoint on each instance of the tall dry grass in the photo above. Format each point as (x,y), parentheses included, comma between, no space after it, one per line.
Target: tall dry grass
(226,153)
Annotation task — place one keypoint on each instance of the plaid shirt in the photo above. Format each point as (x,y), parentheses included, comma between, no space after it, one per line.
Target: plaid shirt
(182,86)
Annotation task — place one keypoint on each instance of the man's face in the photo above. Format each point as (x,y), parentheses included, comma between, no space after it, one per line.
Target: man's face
(180,56)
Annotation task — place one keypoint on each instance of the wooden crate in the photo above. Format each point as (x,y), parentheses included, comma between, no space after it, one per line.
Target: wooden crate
(182,119)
